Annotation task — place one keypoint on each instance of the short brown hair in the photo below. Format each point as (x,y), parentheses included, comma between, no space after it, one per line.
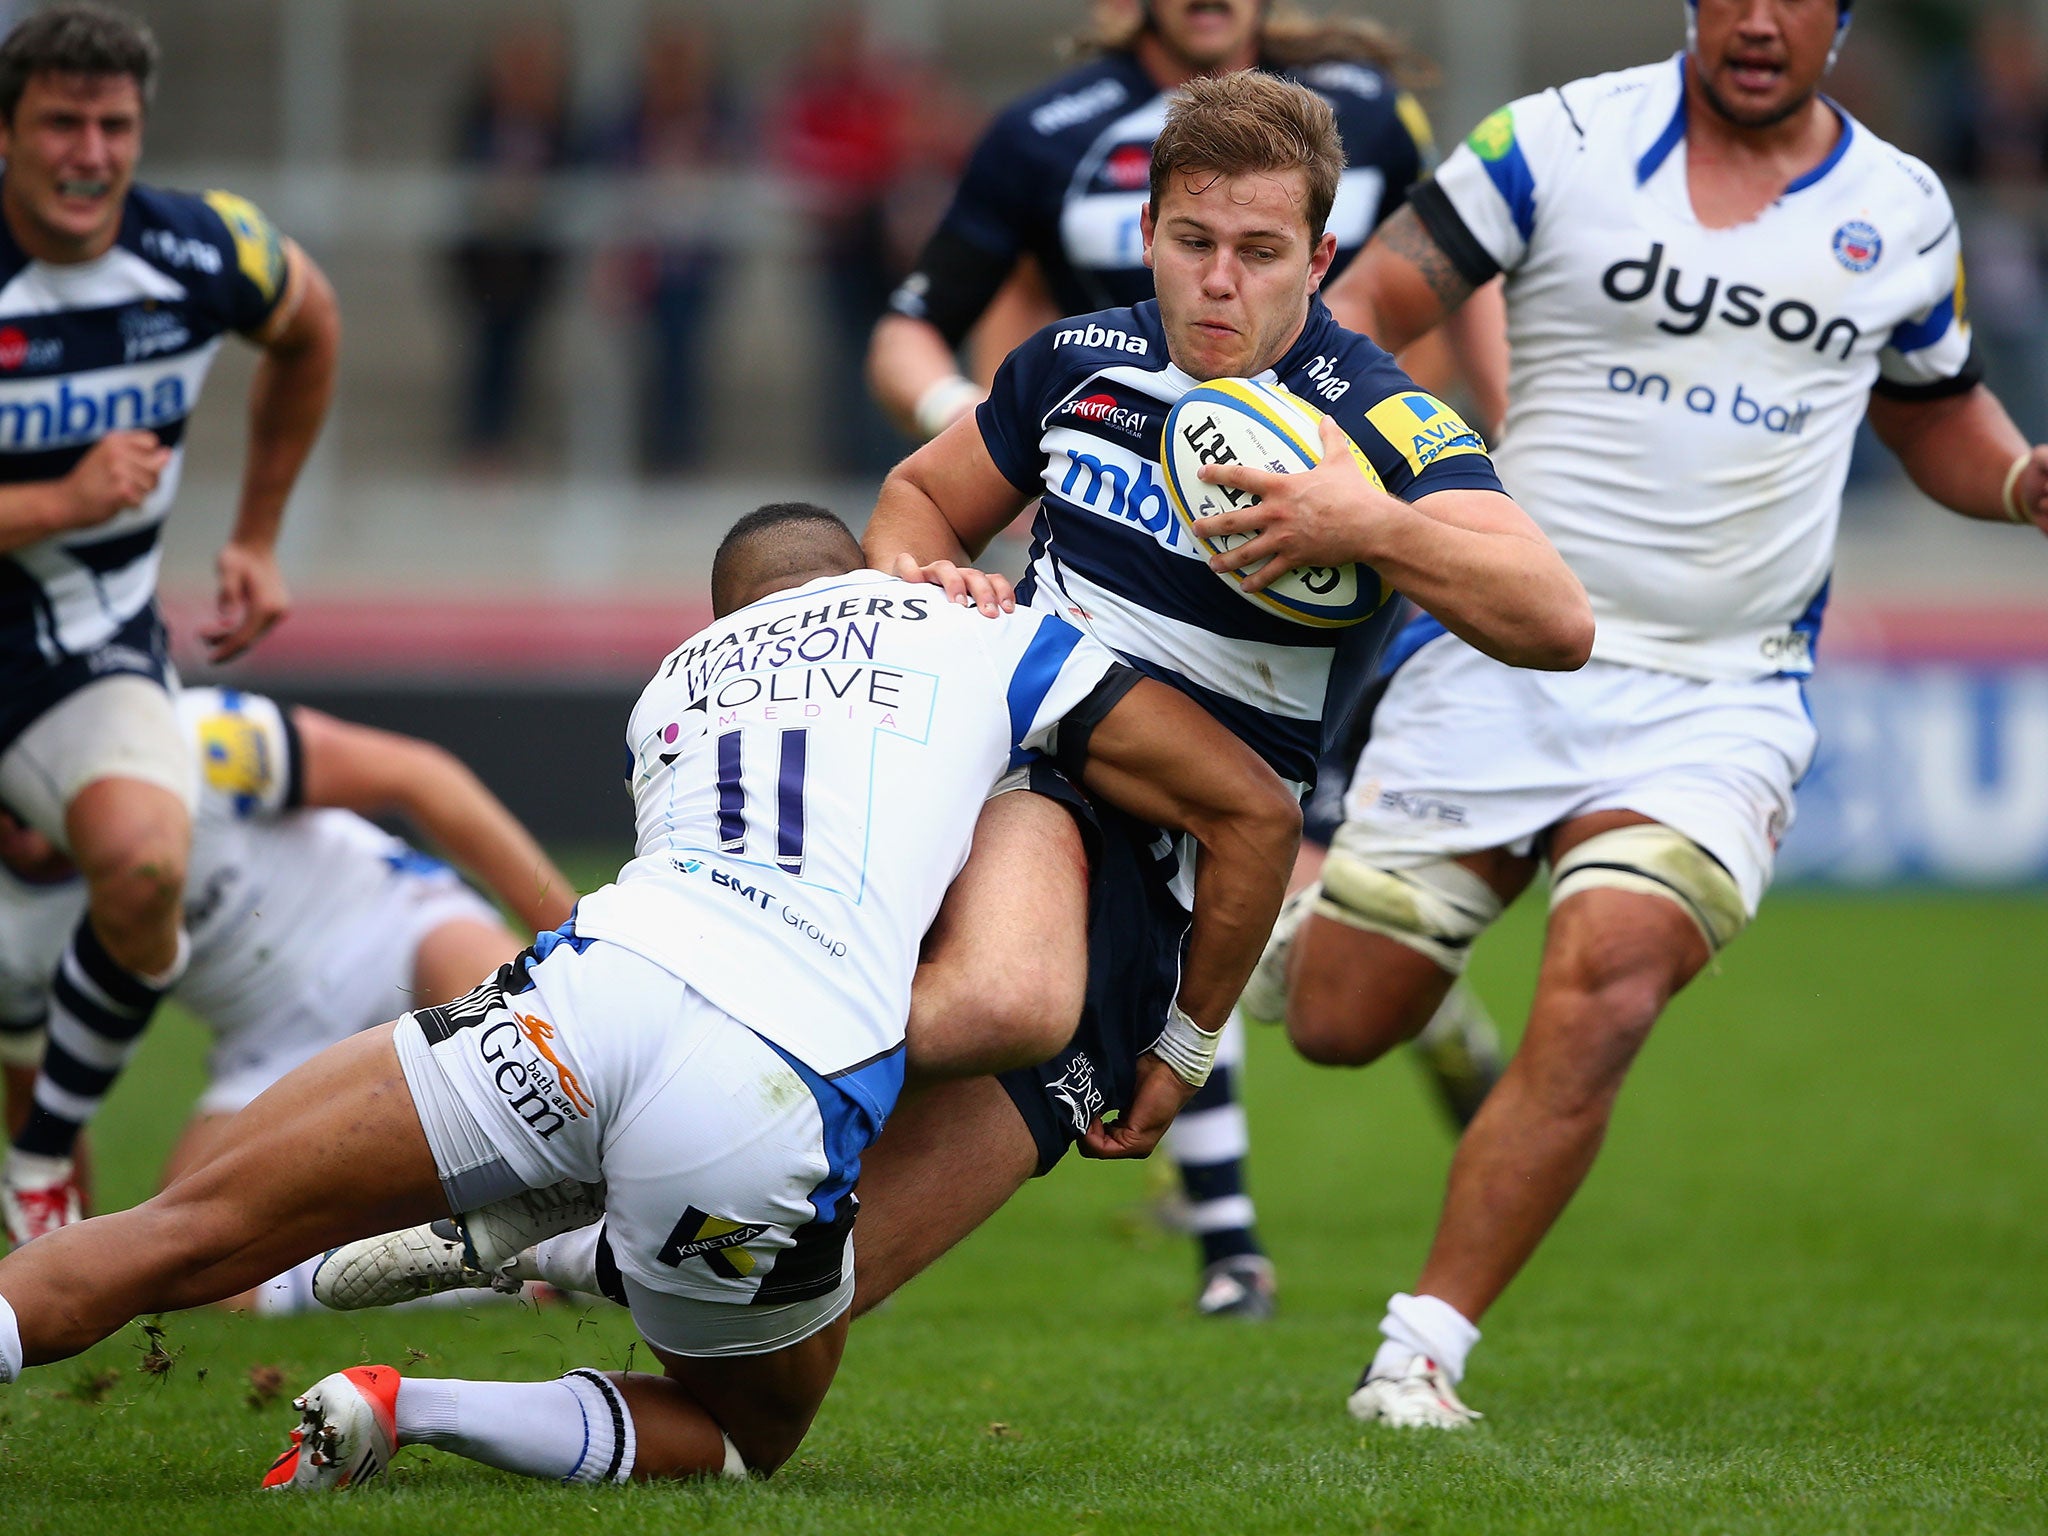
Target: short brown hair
(75,40)
(1248,123)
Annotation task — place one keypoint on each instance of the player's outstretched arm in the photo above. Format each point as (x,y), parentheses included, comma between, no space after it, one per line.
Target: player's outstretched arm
(1401,285)
(1964,451)
(288,399)
(1162,758)
(380,773)
(1472,558)
(118,471)
(938,510)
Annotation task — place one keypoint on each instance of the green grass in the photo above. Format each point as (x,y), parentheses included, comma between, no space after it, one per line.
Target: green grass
(1805,1290)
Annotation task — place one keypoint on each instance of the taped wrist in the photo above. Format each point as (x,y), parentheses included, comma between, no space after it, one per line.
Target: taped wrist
(1186,1047)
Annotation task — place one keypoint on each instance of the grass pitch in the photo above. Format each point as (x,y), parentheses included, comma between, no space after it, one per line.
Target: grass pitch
(1805,1290)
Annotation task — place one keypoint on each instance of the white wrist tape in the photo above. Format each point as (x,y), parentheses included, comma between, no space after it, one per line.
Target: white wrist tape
(943,403)
(1186,1047)
(2013,509)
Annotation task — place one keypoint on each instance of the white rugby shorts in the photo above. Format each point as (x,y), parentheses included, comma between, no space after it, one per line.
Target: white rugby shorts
(728,1167)
(119,727)
(1468,754)
(371,986)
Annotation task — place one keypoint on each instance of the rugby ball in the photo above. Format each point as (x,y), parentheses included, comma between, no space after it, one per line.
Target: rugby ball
(1241,421)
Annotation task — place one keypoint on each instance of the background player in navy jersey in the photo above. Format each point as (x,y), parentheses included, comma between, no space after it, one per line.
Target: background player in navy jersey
(1048,214)
(113,301)
(1242,180)
(1806,275)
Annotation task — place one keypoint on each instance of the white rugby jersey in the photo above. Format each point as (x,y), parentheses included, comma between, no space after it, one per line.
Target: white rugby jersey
(282,904)
(1682,400)
(806,775)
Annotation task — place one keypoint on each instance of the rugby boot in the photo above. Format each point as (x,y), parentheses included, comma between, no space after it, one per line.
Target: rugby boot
(348,1429)
(1419,1397)
(1459,1052)
(38,1195)
(401,1266)
(1241,1286)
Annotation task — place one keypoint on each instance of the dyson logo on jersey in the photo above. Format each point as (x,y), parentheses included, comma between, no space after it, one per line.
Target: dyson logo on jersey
(1742,304)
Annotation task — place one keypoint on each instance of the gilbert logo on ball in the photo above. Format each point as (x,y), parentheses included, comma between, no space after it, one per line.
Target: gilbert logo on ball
(1241,421)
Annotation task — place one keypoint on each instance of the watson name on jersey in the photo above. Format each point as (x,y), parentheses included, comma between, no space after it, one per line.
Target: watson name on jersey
(806,775)
(1683,399)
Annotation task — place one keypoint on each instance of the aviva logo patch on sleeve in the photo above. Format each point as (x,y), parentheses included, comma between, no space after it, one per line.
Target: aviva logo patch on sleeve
(259,251)
(1423,429)
(235,757)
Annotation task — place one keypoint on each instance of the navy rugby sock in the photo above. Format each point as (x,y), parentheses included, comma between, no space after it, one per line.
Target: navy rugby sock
(98,1010)
(1209,1146)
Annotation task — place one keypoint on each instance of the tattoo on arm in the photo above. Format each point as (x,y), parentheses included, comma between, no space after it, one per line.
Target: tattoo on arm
(1405,235)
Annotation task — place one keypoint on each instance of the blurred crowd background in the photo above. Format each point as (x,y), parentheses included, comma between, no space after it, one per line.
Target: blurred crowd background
(607,269)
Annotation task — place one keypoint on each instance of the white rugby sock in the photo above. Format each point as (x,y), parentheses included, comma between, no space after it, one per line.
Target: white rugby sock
(1424,1325)
(567,1262)
(575,1430)
(10,1344)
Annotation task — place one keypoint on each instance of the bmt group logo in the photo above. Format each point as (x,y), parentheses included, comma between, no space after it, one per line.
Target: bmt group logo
(1858,245)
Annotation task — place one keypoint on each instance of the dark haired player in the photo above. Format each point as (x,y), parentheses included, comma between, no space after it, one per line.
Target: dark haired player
(1714,274)
(716,1037)
(1050,206)
(114,298)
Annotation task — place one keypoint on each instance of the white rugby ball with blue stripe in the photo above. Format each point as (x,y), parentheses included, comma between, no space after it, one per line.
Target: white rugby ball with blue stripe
(1242,421)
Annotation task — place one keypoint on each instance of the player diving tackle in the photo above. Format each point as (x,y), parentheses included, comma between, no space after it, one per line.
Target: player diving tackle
(716,1038)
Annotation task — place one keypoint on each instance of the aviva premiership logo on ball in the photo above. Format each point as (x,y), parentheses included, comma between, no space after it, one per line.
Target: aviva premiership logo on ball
(1857,246)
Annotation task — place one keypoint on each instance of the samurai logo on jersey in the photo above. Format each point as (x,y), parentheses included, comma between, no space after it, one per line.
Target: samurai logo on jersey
(1742,304)
(719,1242)
(1103,409)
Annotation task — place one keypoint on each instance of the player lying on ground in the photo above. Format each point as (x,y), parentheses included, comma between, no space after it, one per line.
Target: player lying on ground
(115,297)
(1045,223)
(1712,273)
(716,1038)
(307,922)
(1038,929)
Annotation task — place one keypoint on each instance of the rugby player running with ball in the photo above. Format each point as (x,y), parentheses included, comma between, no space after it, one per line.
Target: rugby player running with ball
(114,298)
(1045,223)
(1713,273)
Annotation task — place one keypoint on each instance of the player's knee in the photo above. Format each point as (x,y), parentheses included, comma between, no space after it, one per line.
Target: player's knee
(1334,1036)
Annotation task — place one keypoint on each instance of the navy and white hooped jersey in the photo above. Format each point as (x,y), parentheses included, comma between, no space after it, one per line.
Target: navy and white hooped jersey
(282,901)
(1075,418)
(1062,174)
(122,341)
(806,775)
(1683,400)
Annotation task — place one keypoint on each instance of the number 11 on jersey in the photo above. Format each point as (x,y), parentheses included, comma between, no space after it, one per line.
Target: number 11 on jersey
(794,752)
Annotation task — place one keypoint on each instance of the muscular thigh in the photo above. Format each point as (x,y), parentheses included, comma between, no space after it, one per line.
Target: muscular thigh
(947,1161)
(1004,969)
(122,727)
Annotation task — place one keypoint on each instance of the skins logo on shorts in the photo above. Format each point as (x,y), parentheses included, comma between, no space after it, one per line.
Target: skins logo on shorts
(1858,245)
(719,1242)
(1494,136)
(1076,1091)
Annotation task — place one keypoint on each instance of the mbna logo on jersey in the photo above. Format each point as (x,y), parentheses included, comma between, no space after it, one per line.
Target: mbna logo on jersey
(1857,246)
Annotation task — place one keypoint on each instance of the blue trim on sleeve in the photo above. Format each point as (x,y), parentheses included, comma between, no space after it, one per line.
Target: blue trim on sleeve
(1912,335)
(1414,635)
(1668,140)
(1516,184)
(1036,673)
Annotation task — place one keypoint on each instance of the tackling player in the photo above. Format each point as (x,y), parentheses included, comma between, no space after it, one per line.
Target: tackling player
(1713,273)
(114,298)
(717,1037)
(1048,217)
(307,922)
